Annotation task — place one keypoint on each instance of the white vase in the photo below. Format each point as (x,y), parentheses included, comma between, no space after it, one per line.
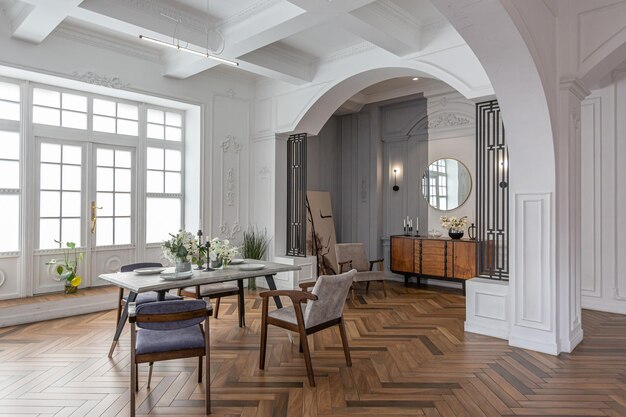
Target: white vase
(183,266)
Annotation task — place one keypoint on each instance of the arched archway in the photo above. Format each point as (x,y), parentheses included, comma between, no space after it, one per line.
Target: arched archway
(529,307)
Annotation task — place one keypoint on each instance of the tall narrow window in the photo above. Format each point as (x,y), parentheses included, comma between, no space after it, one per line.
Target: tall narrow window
(60,194)
(296,195)
(9,101)
(164,174)
(113,196)
(9,167)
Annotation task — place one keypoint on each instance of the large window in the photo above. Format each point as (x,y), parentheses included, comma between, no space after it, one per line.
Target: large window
(9,167)
(164,174)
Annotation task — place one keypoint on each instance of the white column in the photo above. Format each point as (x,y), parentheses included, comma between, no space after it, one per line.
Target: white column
(568,217)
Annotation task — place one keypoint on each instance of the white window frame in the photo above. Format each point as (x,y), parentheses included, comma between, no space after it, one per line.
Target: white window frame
(164,144)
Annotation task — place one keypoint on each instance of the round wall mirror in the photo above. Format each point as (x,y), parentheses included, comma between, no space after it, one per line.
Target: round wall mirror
(446,184)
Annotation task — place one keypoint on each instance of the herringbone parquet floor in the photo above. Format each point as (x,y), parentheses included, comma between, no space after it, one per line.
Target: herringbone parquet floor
(410,358)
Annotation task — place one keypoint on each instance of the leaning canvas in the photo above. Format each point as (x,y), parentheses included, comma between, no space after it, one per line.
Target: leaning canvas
(321,237)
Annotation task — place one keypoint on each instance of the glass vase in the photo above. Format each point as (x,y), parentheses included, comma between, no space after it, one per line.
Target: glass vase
(217,263)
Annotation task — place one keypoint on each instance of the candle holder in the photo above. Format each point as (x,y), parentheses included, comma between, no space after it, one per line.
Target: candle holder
(200,244)
(417,233)
(207,245)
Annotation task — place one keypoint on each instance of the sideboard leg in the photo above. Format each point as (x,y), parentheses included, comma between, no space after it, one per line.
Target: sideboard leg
(463,287)
(406,280)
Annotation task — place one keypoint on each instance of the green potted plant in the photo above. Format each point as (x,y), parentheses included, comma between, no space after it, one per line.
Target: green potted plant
(67,269)
(255,244)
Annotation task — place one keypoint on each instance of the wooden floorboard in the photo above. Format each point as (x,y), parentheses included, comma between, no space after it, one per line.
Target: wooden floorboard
(410,357)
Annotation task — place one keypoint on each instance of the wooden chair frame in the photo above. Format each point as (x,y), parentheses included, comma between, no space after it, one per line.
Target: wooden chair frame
(217,296)
(150,358)
(297,298)
(381,267)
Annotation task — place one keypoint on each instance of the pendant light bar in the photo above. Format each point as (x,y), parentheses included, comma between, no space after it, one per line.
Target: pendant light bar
(191,51)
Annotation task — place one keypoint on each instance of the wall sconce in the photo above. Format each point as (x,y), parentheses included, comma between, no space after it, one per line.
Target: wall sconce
(395,180)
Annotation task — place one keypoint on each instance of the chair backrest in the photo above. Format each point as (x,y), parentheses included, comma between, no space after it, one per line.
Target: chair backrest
(354,252)
(331,291)
(170,315)
(132,267)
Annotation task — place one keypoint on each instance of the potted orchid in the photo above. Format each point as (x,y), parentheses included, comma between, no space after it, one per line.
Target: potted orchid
(456,227)
(221,253)
(182,249)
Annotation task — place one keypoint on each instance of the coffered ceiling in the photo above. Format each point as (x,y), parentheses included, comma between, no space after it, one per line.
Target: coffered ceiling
(286,40)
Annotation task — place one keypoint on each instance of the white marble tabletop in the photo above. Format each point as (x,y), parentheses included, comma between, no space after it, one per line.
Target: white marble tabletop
(143,283)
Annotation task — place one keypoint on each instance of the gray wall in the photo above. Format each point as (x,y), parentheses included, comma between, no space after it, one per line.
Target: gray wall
(353,158)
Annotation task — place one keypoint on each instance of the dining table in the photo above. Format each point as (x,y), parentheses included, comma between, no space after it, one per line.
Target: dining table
(137,283)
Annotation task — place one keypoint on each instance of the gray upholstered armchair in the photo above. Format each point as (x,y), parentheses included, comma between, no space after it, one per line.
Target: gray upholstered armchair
(352,256)
(323,309)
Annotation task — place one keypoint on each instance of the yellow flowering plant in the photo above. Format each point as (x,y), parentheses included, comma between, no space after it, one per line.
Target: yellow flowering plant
(67,269)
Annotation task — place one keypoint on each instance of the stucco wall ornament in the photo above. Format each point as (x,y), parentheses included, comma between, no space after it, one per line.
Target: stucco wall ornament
(91,77)
(445,120)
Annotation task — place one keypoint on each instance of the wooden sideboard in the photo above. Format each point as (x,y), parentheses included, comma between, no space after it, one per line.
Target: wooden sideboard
(438,258)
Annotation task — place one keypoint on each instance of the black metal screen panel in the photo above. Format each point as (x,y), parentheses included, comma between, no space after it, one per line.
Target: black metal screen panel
(492,198)
(296,195)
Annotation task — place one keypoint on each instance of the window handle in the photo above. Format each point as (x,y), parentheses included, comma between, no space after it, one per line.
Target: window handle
(94,216)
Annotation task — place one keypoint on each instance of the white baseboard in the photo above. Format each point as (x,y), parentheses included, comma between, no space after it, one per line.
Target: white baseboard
(569,345)
(486,331)
(48,310)
(549,348)
(607,306)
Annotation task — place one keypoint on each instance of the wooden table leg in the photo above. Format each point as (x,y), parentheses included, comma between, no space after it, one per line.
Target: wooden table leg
(242,304)
(272,285)
(132,296)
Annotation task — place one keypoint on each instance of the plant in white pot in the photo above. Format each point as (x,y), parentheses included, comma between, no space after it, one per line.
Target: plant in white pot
(182,249)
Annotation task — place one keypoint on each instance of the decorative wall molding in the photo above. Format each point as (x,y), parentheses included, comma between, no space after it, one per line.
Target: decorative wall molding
(230,184)
(3,277)
(230,142)
(448,120)
(533,306)
(230,231)
(113,264)
(264,172)
(101,80)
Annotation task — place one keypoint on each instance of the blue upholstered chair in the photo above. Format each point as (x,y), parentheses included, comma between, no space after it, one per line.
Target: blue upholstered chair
(146,297)
(323,309)
(169,330)
(142,298)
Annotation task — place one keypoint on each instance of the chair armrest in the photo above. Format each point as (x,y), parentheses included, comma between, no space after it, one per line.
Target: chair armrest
(342,264)
(132,311)
(307,284)
(296,296)
(377,261)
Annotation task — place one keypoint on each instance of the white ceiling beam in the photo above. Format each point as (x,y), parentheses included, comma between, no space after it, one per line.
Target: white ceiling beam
(40,17)
(278,22)
(383,26)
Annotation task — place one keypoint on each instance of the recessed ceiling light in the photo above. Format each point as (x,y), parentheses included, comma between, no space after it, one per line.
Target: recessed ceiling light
(415,78)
